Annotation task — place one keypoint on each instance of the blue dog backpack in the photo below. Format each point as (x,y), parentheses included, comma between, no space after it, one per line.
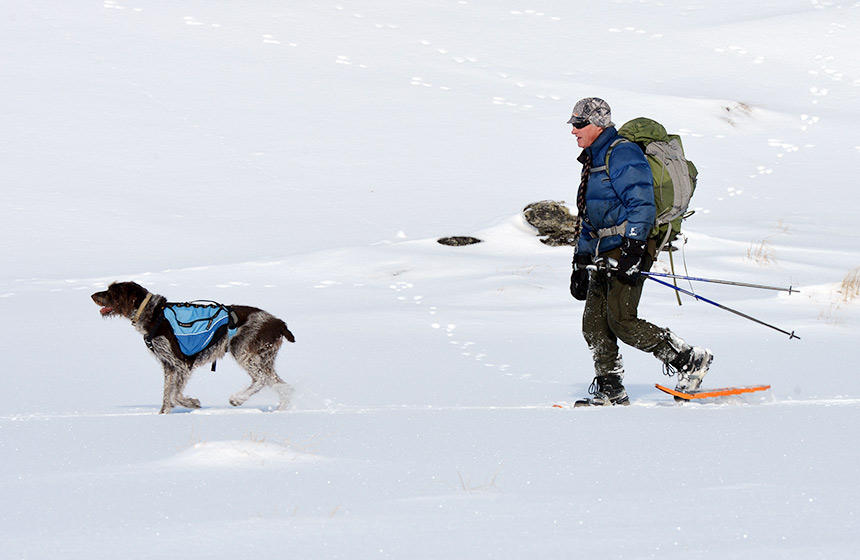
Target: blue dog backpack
(199,325)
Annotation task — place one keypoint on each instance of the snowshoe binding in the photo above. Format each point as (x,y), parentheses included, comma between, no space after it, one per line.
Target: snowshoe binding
(605,391)
(691,366)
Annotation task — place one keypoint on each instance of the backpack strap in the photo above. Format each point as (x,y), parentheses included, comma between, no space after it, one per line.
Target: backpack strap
(605,167)
(621,228)
(664,242)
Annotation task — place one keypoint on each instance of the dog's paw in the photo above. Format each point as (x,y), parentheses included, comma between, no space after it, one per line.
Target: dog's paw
(236,402)
(165,409)
(189,402)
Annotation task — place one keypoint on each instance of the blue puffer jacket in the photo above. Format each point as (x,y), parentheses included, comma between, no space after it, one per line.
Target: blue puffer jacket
(626,193)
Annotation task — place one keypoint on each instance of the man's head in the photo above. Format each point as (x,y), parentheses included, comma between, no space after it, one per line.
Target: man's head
(590,117)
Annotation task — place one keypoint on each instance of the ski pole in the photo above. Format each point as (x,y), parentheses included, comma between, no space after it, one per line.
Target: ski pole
(674,281)
(790,289)
(729,309)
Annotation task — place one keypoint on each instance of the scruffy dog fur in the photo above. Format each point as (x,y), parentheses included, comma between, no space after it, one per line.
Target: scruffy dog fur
(254,346)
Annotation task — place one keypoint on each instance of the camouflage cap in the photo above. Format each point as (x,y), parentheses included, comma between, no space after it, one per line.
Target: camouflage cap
(594,110)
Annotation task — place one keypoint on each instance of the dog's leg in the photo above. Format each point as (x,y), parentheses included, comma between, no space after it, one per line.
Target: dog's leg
(285,393)
(239,398)
(175,379)
(256,351)
(183,375)
(281,387)
(261,369)
(257,368)
(167,398)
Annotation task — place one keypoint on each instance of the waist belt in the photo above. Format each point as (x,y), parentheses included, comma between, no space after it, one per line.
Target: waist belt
(620,229)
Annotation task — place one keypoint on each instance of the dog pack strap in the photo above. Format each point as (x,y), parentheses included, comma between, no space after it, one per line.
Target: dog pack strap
(199,304)
(234,319)
(147,338)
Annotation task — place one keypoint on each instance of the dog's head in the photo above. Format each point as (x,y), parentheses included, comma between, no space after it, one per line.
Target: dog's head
(121,298)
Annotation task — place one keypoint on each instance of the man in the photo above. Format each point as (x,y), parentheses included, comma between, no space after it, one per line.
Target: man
(616,211)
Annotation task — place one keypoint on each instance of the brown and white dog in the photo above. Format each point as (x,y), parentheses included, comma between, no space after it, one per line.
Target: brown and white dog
(254,346)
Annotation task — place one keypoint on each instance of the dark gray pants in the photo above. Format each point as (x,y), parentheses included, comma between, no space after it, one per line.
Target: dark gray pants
(611,314)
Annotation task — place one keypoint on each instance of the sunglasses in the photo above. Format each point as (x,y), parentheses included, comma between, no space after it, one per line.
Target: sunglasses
(580,123)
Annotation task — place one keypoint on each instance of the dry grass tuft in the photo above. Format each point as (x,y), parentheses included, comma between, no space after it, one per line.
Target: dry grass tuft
(850,289)
(468,487)
(761,253)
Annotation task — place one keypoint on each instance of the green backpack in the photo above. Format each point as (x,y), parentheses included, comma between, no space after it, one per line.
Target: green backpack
(674,175)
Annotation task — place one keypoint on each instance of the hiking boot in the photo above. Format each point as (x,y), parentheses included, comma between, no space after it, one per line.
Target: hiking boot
(605,391)
(692,365)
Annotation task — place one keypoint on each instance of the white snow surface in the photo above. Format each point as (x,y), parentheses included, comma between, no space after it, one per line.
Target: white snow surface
(303,157)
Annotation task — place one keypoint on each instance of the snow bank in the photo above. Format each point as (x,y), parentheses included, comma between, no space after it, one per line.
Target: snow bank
(238,454)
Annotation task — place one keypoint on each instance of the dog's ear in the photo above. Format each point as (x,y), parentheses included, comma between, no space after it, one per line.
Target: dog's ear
(126,297)
(136,293)
(136,290)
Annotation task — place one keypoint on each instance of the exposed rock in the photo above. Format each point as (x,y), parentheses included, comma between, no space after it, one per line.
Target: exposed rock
(458,240)
(553,220)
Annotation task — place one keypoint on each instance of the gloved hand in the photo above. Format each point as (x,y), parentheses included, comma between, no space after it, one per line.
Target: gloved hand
(579,277)
(632,251)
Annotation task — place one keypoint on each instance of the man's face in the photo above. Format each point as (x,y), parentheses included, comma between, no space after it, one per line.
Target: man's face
(586,136)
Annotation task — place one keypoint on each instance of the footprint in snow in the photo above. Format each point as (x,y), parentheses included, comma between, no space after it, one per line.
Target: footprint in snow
(535,14)
(449,329)
(345,60)
(635,31)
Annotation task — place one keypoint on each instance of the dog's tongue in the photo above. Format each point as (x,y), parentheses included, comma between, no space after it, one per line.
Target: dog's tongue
(105,310)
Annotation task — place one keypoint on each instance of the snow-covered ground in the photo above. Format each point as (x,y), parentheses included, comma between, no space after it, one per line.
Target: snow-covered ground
(303,157)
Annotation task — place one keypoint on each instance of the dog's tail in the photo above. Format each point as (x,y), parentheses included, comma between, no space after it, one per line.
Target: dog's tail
(286,332)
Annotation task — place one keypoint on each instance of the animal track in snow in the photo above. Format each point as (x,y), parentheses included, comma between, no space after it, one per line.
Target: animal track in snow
(111,5)
(506,103)
(188,20)
(808,121)
(824,68)
(362,17)
(818,92)
(347,61)
(270,40)
(191,20)
(741,52)
(534,13)
(505,76)
(787,148)
(449,329)
(419,81)
(232,285)
(459,59)
(634,30)
(761,170)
